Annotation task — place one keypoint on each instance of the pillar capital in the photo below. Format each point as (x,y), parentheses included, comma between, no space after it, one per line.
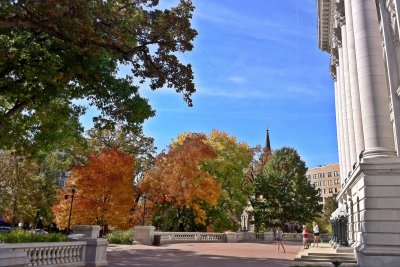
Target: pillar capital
(338,13)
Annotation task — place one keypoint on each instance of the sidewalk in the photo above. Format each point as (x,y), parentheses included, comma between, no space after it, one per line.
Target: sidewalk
(206,254)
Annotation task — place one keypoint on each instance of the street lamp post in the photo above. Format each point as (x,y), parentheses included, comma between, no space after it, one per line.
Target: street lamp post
(73,191)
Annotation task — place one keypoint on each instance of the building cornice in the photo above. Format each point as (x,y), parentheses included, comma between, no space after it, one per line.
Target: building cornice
(325,11)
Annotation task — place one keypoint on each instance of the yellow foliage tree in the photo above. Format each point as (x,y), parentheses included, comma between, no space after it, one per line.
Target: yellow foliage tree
(177,179)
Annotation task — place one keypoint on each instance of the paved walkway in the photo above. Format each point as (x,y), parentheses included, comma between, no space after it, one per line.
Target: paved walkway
(205,255)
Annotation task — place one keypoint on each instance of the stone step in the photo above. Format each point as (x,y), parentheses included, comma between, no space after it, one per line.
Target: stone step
(350,255)
(327,259)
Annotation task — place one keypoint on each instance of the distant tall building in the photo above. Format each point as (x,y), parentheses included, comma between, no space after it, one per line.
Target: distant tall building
(326,179)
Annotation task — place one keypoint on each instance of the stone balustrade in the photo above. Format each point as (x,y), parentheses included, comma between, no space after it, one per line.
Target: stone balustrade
(86,250)
(176,237)
(146,236)
(54,254)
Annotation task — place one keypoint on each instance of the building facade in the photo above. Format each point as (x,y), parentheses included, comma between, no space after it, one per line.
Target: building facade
(326,179)
(362,37)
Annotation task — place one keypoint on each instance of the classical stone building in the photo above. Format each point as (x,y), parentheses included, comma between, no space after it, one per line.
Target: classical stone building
(326,179)
(362,37)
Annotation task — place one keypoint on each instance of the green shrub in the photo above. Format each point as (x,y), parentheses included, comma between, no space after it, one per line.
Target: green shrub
(121,237)
(21,236)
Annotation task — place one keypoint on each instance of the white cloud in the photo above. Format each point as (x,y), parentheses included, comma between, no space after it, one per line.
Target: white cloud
(237,79)
(265,29)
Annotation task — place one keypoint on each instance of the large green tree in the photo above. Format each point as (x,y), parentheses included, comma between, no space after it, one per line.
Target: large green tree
(53,53)
(26,193)
(229,167)
(282,192)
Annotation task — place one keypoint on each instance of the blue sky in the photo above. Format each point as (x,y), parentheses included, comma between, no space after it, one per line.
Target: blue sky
(256,64)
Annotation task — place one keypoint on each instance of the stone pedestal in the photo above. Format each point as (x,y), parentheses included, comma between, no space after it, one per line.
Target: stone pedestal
(13,258)
(96,248)
(231,237)
(96,251)
(269,236)
(89,231)
(374,191)
(144,234)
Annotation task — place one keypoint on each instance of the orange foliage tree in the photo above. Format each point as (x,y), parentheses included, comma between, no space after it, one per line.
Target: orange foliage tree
(105,192)
(177,186)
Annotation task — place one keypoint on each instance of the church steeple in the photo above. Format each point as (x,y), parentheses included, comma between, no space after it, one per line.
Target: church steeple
(268,143)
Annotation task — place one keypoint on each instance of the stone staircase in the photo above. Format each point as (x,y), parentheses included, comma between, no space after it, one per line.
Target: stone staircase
(324,253)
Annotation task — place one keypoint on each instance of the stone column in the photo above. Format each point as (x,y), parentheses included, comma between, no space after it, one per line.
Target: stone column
(339,117)
(344,113)
(340,17)
(397,10)
(392,69)
(353,78)
(378,134)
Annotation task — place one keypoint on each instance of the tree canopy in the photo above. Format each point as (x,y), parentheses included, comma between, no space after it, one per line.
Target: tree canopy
(26,193)
(56,53)
(283,193)
(233,158)
(104,193)
(178,186)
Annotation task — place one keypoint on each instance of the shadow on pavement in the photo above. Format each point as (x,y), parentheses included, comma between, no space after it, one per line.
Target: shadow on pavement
(168,256)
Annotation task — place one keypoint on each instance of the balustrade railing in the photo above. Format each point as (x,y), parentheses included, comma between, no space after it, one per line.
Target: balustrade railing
(172,237)
(181,237)
(54,254)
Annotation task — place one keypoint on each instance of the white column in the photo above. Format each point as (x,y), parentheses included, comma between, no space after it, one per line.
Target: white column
(392,70)
(378,134)
(348,96)
(344,115)
(339,116)
(353,78)
(338,128)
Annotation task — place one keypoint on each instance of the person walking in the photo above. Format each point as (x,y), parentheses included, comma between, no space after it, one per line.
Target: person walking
(279,239)
(316,233)
(305,236)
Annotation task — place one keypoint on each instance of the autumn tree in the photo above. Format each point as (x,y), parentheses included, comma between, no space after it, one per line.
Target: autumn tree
(179,188)
(104,195)
(282,192)
(131,142)
(54,53)
(26,193)
(233,158)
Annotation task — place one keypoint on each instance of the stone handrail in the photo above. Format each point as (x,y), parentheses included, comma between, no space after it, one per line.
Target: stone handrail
(53,254)
(146,235)
(172,237)
(86,250)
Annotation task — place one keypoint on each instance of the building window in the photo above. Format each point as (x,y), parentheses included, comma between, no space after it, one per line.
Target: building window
(315,184)
(331,190)
(329,174)
(321,175)
(324,183)
(324,191)
(335,173)
(314,176)
(330,182)
(335,190)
